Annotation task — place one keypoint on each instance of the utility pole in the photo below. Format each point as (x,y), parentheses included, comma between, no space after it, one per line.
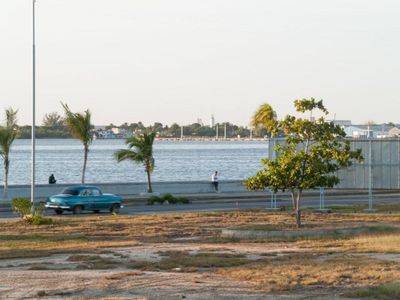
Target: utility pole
(33,104)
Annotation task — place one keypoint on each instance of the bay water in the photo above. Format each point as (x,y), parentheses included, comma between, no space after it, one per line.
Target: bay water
(174,161)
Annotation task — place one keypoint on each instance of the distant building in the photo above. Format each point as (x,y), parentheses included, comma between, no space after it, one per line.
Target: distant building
(212,121)
(356,132)
(99,127)
(394,132)
(342,122)
(366,131)
(115,130)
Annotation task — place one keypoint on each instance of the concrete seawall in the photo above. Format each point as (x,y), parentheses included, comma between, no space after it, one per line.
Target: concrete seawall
(129,189)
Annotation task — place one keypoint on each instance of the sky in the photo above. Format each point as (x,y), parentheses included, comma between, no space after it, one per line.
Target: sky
(180,60)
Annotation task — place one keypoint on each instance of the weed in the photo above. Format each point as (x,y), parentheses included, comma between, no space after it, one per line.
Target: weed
(386,291)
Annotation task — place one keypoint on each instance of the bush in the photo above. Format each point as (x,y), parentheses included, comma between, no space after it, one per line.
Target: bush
(167,198)
(183,200)
(37,219)
(23,207)
(155,199)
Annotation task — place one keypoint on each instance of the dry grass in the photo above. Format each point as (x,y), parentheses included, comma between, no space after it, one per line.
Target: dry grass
(309,270)
(97,236)
(86,234)
(124,275)
(380,243)
(181,261)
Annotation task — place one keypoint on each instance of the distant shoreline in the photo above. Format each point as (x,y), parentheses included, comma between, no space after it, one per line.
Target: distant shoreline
(188,139)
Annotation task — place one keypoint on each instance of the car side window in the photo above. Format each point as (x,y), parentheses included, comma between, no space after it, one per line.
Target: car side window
(96,192)
(86,193)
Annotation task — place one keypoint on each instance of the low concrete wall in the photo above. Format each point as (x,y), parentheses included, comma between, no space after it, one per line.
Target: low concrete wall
(128,189)
(268,234)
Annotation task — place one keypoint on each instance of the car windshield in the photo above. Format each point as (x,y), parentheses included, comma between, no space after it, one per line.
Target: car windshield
(69,191)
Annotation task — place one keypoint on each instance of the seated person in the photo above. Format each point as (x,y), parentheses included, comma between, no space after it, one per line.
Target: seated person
(52,179)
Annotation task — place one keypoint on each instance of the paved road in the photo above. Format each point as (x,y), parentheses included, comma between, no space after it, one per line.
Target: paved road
(244,203)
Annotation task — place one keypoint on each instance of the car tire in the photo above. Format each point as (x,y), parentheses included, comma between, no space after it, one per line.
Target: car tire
(58,211)
(77,210)
(96,211)
(115,208)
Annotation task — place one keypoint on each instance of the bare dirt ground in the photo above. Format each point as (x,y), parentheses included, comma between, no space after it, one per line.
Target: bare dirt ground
(181,256)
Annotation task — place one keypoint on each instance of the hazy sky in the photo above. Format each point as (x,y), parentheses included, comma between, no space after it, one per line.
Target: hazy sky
(179,60)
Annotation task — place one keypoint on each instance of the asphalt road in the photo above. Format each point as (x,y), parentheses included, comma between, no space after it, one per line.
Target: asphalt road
(310,201)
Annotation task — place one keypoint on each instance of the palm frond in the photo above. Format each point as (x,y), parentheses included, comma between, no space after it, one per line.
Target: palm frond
(79,124)
(140,150)
(8,133)
(263,116)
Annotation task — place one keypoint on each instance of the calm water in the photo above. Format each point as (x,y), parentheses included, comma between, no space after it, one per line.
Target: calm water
(175,161)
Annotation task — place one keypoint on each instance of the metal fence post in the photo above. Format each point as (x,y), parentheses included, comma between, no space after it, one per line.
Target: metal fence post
(321,198)
(370,178)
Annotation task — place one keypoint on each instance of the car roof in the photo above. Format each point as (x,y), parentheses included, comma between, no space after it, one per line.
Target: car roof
(82,187)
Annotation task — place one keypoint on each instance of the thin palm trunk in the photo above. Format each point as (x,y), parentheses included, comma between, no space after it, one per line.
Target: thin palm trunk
(6,169)
(85,156)
(149,188)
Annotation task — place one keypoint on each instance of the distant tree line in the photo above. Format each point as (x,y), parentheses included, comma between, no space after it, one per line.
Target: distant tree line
(193,130)
(53,126)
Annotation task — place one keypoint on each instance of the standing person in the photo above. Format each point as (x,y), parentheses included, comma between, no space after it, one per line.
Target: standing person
(52,179)
(214,180)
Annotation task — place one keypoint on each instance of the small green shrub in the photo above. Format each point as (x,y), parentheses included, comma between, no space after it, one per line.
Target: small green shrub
(37,219)
(183,200)
(21,206)
(385,291)
(167,197)
(154,199)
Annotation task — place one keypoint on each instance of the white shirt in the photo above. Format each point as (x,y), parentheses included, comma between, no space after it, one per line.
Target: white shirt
(214,178)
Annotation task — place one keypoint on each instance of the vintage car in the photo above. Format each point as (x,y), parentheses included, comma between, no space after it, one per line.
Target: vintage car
(79,198)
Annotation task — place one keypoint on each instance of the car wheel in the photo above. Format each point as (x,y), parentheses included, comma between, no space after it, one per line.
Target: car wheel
(96,211)
(115,208)
(58,211)
(77,210)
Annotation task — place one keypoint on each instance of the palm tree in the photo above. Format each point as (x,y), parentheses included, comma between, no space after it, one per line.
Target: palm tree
(265,117)
(8,134)
(80,126)
(141,152)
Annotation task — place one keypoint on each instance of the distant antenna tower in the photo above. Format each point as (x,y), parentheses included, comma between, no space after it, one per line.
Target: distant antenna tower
(212,122)
(225,130)
(181,131)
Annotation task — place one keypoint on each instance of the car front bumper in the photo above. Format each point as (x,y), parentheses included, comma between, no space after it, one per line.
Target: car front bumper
(54,206)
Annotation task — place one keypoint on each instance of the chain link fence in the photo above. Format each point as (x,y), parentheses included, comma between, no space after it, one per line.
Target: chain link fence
(379,170)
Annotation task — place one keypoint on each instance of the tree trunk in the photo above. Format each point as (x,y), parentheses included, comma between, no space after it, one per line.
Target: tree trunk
(149,188)
(296,196)
(6,168)
(86,150)
(293,193)
(298,211)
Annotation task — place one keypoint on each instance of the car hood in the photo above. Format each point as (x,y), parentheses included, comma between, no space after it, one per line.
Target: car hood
(60,196)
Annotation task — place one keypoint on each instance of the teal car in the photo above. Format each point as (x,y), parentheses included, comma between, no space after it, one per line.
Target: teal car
(80,198)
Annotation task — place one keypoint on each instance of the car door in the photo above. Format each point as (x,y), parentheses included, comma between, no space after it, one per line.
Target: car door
(86,199)
(98,200)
